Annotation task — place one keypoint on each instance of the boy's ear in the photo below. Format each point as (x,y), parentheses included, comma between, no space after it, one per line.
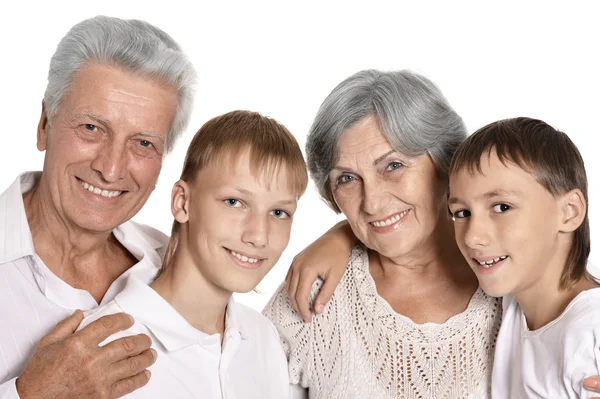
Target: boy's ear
(42,134)
(573,210)
(180,199)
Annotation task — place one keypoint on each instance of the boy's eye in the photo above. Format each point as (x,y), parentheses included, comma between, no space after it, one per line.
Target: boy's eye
(233,203)
(394,165)
(280,214)
(460,214)
(500,208)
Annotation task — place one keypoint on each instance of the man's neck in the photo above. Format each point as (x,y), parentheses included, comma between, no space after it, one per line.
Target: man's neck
(195,298)
(86,260)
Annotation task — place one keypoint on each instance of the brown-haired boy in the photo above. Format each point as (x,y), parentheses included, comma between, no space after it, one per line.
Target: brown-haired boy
(518,198)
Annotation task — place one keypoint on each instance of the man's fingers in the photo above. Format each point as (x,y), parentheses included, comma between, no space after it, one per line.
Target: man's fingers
(98,330)
(592,384)
(125,347)
(63,330)
(133,365)
(307,278)
(130,384)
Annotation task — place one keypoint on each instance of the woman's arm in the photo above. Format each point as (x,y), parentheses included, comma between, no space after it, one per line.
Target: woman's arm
(327,258)
(299,392)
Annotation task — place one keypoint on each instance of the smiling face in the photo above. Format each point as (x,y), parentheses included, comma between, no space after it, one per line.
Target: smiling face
(234,225)
(392,202)
(507,226)
(104,147)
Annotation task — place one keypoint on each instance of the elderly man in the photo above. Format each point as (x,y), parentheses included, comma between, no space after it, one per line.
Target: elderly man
(119,93)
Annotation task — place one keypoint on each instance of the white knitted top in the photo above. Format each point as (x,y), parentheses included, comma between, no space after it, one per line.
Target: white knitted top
(360,348)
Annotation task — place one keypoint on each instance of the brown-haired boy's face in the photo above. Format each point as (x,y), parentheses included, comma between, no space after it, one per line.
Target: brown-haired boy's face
(238,224)
(507,227)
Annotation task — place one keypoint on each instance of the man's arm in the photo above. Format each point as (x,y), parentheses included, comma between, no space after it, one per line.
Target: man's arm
(71,364)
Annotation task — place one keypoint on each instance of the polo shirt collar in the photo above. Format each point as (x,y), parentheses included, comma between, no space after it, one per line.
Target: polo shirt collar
(166,324)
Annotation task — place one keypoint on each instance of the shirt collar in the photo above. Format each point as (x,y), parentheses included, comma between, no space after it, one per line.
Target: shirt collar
(166,324)
(14,229)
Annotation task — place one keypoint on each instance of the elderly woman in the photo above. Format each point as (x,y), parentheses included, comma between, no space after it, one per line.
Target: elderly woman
(408,319)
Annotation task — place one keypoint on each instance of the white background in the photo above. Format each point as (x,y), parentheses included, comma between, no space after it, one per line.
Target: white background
(492,61)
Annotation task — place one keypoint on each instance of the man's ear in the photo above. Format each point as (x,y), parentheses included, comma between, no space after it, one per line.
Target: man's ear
(42,134)
(573,207)
(180,199)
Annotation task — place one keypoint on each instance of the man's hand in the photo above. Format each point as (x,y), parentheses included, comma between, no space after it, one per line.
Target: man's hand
(326,258)
(69,364)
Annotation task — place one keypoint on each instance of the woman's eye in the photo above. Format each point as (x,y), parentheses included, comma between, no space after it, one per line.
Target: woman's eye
(343,179)
(394,166)
(500,208)
(280,214)
(233,203)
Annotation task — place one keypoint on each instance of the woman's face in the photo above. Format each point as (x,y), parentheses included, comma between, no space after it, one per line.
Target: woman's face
(393,202)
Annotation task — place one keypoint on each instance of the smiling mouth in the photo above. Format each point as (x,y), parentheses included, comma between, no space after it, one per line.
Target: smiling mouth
(245,259)
(391,220)
(99,191)
(489,263)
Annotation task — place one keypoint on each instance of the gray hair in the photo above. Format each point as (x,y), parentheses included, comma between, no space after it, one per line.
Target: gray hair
(414,116)
(135,45)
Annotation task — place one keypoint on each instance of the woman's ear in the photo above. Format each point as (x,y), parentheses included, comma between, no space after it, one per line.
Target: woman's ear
(573,210)
(180,199)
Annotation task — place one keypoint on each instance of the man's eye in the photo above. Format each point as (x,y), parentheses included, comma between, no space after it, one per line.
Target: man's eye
(90,127)
(145,143)
(501,208)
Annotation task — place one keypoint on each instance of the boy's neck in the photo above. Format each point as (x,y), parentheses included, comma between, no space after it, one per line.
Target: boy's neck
(546,302)
(201,303)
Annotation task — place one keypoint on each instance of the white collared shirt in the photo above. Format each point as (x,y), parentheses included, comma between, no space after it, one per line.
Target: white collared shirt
(191,364)
(32,298)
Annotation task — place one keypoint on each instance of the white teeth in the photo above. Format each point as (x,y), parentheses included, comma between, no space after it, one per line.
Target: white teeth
(391,220)
(488,263)
(96,190)
(243,258)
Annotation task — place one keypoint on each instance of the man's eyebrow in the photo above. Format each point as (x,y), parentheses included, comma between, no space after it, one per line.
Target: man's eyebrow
(105,123)
(384,156)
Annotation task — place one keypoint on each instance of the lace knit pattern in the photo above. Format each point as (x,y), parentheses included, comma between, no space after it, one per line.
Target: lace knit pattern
(360,348)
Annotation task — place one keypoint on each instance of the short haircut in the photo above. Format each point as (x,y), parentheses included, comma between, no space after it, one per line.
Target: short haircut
(412,113)
(221,139)
(549,156)
(137,47)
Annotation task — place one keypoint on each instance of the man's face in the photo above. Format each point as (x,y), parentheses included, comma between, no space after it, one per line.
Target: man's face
(104,147)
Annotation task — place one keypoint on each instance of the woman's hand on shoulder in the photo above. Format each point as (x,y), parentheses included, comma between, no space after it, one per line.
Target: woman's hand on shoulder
(325,258)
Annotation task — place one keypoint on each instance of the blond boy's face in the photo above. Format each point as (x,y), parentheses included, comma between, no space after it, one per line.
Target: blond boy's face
(238,223)
(506,226)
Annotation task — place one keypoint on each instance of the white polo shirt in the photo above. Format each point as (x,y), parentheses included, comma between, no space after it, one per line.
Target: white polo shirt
(191,364)
(33,299)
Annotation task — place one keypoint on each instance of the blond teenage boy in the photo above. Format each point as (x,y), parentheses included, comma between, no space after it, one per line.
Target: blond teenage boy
(233,209)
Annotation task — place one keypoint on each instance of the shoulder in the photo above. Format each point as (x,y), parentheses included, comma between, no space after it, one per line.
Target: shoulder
(154,236)
(253,321)
(109,308)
